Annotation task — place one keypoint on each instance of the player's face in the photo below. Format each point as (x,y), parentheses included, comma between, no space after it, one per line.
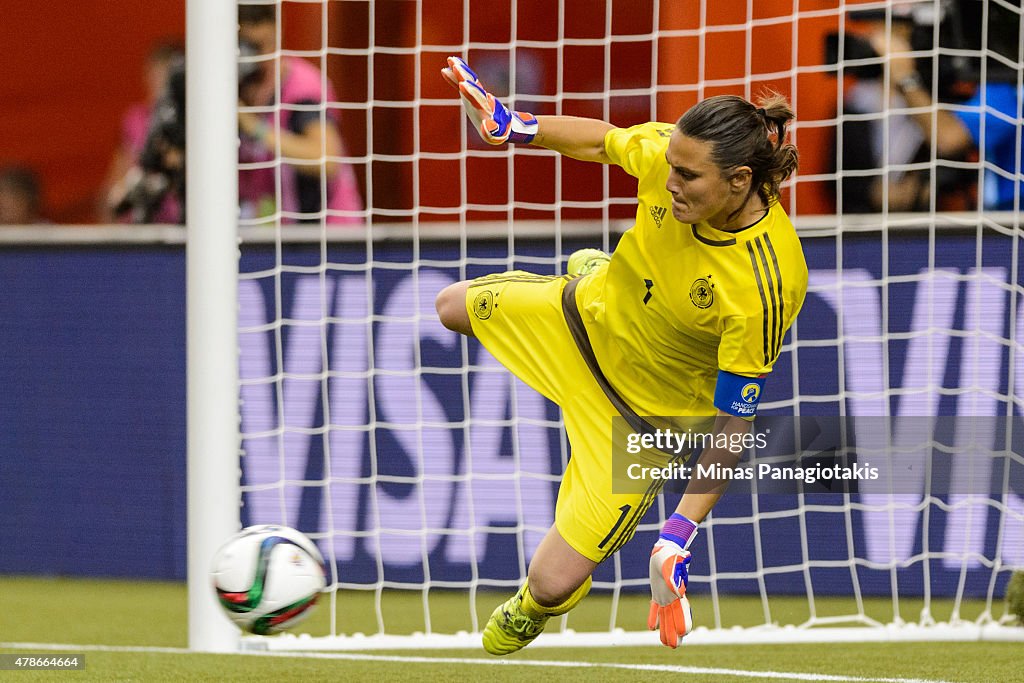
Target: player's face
(699,190)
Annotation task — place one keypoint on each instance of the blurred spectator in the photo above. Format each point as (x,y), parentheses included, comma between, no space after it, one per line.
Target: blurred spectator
(993,139)
(20,197)
(887,142)
(135,124)
(308,134)
(1000,98)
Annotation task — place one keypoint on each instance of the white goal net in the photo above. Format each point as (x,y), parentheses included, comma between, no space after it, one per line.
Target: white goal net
(427,474)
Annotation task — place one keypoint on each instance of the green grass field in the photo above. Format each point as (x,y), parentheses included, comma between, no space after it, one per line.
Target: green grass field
(137,631)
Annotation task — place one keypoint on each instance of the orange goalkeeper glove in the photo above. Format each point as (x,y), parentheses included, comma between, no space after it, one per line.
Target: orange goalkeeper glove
(669,567)
(496,123)
(669,607)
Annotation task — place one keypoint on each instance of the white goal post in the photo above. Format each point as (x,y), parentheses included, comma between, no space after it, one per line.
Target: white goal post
(212,303)
(427,474)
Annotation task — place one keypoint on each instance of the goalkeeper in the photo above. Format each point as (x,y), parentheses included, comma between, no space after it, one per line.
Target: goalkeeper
(686,319)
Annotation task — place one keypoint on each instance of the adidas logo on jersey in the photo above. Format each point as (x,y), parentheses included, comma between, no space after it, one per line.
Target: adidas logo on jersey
(658,214)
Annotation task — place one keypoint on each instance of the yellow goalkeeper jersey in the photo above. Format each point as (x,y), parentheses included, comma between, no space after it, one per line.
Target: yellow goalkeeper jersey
(681,308)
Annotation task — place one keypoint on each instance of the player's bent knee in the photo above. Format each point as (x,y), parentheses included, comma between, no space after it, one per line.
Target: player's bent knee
(451,308)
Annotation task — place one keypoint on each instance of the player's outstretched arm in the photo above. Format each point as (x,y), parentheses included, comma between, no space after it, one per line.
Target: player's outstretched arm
(703,492)
(575,137)
(670,558)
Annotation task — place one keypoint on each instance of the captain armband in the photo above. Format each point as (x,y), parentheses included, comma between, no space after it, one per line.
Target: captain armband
(738,395)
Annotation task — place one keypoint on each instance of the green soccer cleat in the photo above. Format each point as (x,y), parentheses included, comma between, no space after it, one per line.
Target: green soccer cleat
(509,629)
(586,261)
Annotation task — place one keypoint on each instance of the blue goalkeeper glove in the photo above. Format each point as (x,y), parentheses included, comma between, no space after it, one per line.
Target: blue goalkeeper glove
(495,122)
(669,571)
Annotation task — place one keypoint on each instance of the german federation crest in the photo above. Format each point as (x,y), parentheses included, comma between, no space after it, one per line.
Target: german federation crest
(702,292)
(483,304)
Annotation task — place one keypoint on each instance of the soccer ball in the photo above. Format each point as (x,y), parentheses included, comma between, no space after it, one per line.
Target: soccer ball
(268,578)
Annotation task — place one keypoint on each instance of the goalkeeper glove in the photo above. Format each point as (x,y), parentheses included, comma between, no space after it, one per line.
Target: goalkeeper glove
(495,122)
(670,609)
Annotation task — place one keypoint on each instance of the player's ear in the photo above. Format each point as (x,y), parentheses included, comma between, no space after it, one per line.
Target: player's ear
(740,178)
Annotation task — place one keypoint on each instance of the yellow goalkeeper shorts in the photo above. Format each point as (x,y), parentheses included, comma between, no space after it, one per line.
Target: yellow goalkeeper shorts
(518,318)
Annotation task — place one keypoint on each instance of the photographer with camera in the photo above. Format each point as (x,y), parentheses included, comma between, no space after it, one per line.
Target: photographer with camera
(142,185)
(153,188)
(904,131)
(298,135)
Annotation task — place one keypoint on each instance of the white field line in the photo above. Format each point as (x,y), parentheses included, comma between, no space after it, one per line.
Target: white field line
(401,659)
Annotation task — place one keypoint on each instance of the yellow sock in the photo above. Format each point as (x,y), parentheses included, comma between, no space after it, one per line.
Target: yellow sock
(535,610)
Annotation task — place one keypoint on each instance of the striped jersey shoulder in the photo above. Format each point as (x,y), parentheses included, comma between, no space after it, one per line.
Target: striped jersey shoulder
(767,274)
(778,270)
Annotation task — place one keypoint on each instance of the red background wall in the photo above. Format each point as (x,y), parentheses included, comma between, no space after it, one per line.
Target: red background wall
(71,68)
